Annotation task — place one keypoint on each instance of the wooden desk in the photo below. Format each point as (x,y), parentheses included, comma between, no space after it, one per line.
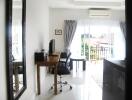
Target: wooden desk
(51,61)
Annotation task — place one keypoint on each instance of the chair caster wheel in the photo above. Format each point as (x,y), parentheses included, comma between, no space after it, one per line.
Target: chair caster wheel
(60,90)
(70,87)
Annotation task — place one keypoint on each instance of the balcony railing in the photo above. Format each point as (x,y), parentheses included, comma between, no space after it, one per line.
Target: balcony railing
(99,53)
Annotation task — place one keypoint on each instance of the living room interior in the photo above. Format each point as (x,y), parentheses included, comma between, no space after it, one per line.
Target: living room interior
(43,17)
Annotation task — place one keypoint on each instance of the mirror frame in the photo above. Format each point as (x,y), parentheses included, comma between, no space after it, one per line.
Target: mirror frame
(9,63)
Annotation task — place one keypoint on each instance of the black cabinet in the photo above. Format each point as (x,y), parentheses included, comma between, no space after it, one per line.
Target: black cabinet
(114,80)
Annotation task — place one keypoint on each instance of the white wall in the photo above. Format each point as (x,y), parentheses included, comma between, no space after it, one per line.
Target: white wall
(3,95)
(37,37)
(57,17)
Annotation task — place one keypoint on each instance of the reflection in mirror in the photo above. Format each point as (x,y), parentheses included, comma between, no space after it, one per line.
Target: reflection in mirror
(17,46)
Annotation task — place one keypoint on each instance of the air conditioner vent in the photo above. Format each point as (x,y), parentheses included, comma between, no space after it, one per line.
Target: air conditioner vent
(99,12)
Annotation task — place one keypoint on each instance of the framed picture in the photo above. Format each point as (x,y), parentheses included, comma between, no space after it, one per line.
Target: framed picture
(58,31)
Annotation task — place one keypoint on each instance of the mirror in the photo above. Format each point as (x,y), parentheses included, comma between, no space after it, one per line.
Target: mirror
(15,48)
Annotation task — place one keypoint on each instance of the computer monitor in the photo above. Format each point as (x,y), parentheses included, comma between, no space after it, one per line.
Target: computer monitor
(51,46)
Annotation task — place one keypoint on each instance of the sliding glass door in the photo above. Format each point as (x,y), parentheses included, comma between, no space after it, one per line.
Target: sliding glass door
(97,41)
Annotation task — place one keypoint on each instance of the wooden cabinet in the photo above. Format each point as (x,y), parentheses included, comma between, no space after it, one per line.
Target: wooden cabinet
(114,80)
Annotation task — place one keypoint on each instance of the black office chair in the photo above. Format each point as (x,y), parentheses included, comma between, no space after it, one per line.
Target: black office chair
(65,59)
(63,69)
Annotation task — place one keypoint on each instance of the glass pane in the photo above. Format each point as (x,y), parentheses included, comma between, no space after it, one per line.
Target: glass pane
(17,46)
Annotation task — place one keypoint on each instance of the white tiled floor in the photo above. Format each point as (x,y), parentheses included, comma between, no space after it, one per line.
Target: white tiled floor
(83,83)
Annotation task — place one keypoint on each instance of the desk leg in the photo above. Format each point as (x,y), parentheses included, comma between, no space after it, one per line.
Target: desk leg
(71,64)
(76,66)
(38,79)
(55,80)
(16,78)
(84,65)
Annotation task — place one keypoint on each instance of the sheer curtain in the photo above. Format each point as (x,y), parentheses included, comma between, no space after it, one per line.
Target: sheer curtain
(82,27)
(123,28)
(119,42)
(96,28)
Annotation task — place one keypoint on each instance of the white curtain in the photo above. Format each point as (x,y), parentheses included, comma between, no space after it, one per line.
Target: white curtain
(123,28)
(119,42)
(98,27)
(82,27)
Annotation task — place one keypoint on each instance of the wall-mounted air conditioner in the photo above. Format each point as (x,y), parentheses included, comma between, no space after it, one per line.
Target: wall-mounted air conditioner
(99,12)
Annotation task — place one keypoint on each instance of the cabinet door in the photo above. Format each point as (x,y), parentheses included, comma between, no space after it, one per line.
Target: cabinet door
(107,75)
(119,83)
(113,82)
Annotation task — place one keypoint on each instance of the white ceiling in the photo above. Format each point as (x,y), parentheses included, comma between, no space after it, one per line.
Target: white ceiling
(85,4)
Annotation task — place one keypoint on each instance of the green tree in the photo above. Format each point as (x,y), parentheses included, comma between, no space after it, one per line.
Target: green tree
(87,51)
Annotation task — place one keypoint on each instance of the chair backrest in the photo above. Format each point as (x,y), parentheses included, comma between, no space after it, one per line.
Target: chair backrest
(63,66)
(66,58)
(63,55)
